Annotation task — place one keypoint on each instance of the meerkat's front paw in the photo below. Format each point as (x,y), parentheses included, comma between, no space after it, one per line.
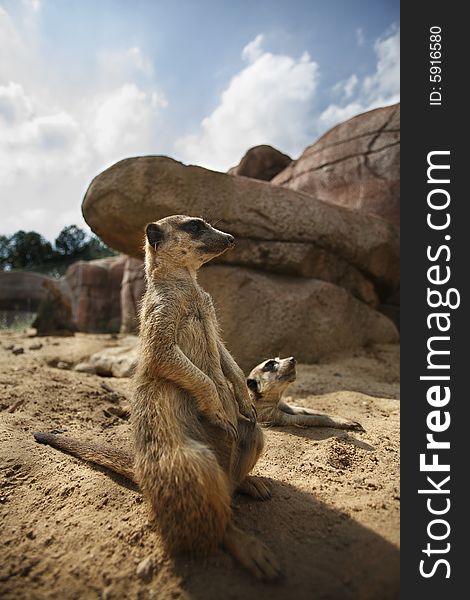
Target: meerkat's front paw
(219,419)
(248,411)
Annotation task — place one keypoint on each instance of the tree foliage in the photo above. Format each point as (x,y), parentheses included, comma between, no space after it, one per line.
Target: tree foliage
(25,249)
(70,241)
(4,252)
(28,250)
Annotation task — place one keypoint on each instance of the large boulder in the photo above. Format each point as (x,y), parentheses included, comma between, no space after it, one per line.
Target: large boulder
(261,162)
(117,361)
(391,308)
(269,315)
(262,315)
(54,316)
(302,260)
(122,199)
(94,288)
(22,290)
(271,257)
(355,164)
(132,290)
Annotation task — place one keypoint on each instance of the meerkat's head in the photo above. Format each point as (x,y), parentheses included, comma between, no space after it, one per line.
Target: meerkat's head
(180,241)
(269,379)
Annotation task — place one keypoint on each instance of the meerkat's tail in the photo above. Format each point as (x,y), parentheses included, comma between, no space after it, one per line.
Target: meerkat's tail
(119,461)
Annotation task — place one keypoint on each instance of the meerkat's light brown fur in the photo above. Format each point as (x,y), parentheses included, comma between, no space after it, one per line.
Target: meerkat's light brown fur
(195,432)
(268,381)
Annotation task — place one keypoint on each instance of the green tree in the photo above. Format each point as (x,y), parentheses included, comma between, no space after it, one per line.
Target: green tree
(96,249)
(71,241)
(4,252)
(30,251)
(27,249)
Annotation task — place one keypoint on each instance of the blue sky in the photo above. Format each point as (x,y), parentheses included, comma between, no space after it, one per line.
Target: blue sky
(86,83)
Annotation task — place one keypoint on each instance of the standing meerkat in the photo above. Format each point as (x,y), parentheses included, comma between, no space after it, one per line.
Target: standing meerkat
(195,432)
(268,381)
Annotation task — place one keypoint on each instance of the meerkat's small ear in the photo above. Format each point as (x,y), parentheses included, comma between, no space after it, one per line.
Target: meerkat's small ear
(252,384)
(154,234)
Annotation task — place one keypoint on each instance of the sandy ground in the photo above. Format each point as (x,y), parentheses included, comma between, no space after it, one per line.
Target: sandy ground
(71,531)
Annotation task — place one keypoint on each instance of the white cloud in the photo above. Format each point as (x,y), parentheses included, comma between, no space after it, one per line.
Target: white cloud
(336,114)
(32,5)
(34,143)
(124,64)
(379,89)
(52,144)
(14,104)
(349,86)
(45,160)
(253,50)
(272,101)
(62,150)
(268,102)
(385,82)
(9,35)
(12,51)
(27,219)
(125,120)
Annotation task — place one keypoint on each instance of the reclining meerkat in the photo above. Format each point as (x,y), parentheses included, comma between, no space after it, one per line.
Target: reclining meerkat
(268,381)
(195,432)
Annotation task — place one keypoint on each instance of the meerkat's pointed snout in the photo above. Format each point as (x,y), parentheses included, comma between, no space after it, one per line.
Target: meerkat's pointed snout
(291,369)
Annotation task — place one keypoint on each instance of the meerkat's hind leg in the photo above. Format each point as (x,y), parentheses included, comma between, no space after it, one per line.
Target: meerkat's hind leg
(252,554)
(249,448)
(305,417)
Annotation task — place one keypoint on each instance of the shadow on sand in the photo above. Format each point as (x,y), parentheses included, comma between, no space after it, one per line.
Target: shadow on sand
(323,433)
(324,554)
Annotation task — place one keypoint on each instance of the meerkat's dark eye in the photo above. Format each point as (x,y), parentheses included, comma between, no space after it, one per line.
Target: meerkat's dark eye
(193,226)
(271,365)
